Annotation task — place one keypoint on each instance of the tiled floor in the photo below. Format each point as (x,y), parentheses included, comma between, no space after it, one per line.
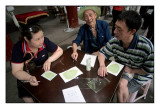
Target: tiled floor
(54,30)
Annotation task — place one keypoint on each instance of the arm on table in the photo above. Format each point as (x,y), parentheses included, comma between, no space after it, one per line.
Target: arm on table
(74,55)
(53,57)
(17,71)
(102,70)
(97,52)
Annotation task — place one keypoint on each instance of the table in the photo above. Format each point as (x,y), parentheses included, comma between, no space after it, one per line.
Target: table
(51,91)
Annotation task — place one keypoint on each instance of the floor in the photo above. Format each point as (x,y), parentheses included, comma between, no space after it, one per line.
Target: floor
(54,30)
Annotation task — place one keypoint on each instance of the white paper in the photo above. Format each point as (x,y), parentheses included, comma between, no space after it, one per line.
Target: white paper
(86,56)
(116,68)
(49,75)
(73,94)
(70,74)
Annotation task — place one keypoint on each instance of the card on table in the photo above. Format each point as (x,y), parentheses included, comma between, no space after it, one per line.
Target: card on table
(86,56)
(114,68)
(70,74)
(49,75)
(73,94)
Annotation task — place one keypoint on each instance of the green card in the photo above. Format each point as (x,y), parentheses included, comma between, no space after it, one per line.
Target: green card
(49,75)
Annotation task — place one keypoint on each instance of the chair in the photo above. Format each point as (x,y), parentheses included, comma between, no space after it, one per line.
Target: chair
(52,10)
(132,97)
(61,14)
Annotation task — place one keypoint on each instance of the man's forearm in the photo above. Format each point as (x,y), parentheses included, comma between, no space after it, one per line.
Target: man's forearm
(101,59)
(74,46)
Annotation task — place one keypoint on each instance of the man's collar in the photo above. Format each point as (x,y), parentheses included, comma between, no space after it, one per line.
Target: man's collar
(133,42)
(95,27)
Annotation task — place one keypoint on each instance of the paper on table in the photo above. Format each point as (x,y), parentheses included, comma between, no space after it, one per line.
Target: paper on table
(86,56)
(114,68)
(70,74)
(49,75)
(73,94)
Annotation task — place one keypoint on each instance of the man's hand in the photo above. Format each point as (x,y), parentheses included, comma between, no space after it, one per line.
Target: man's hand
(95,53)
(127,69)
(74,56)
(102,71)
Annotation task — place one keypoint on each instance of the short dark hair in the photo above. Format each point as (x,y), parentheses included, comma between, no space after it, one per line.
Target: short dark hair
(131,18)
(31,28)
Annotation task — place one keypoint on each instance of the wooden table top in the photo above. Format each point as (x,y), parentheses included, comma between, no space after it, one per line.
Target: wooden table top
(51,91)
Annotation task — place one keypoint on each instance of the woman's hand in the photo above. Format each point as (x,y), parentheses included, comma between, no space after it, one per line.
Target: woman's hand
(74,56)
(33,81)
(46,65)
(102,71)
